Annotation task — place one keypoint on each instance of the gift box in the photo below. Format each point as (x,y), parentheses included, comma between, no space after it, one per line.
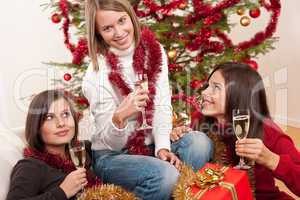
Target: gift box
(213,182)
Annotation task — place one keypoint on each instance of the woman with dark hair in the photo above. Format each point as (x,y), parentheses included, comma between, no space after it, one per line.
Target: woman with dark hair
(237,86)
(47,171)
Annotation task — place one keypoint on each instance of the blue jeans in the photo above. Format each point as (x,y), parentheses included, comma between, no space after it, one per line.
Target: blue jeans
(150,178)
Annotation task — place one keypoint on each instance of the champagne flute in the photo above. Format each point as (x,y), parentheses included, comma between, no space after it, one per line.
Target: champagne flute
(78,157)
(77,153)
(241,123)
(143,83)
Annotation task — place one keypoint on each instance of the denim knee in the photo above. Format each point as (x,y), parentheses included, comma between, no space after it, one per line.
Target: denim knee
(159,182)
(169,176)
(201,144)
(148,177)
(194,148)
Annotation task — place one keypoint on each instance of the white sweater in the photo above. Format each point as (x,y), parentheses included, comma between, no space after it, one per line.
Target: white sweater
(104,99)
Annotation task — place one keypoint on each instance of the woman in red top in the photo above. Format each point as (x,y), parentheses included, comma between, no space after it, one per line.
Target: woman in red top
(237,86)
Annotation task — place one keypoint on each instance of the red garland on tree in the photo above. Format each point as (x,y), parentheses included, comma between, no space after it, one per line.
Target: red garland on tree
(212,19)
(153,8)
(81,50)
(174,67)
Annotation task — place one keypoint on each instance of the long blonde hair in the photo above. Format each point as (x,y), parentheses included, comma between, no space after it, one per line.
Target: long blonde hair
(96,44)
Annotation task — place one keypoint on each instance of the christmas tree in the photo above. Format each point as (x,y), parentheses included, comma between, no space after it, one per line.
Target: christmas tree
(194,34)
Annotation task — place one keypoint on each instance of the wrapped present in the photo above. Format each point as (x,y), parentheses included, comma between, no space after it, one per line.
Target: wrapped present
(213,182)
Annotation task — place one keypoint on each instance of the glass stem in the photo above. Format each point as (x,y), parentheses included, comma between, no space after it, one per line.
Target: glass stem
(144,116)
(242,161)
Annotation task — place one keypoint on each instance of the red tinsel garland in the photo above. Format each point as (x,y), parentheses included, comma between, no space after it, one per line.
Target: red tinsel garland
(203,10)
(81,50)
(57,162)
(153,8)
(152,67)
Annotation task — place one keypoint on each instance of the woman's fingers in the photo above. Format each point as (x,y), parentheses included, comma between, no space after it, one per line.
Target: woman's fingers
(141,92)
(174,137)
(182,130)
(174,160)
(247,151)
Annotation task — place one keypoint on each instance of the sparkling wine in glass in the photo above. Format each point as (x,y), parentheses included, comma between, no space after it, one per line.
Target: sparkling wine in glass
(241,123)
(77,153)
(143,83)
(78,156)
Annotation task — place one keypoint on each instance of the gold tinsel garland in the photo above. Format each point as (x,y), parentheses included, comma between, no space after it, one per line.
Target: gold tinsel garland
(107,192)
(187,178)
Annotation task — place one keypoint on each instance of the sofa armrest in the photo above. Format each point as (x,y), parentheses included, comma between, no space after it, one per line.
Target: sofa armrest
(20,132)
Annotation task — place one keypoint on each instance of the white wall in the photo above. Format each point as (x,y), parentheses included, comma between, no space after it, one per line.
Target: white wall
(28,38)
(280,67)
(283,66)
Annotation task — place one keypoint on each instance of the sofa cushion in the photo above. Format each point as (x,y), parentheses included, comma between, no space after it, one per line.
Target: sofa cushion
(11,149)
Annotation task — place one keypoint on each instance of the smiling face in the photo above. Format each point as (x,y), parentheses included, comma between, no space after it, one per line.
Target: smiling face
(214,97)
(116,28)
(59,126)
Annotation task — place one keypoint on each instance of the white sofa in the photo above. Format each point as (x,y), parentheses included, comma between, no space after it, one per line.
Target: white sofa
(11,149)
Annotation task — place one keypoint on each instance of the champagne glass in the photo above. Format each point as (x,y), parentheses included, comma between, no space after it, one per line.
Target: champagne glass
(77,153)
(143,83)
(241,123)
(78,156)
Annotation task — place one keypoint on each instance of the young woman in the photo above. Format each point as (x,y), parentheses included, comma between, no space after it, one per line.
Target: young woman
(47,171)
(237,86)
(120,50)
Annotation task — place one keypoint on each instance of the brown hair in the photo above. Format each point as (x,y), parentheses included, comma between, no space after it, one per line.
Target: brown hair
(244,89)
(36,116)
(95,41)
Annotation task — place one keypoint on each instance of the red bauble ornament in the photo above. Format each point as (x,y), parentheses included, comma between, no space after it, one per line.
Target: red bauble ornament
(196,84)
(67,76)
(253,64)
(55,18)
(254,13)
(196,117)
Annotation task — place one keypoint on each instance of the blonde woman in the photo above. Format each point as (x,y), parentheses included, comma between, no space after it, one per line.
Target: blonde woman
(142,161)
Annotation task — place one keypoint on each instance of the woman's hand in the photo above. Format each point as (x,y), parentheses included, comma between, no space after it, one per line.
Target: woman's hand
(132,104)
(166,155)
(254,149)
(74,182)
(178,132)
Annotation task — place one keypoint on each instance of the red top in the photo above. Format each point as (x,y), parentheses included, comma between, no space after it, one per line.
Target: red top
(288,169)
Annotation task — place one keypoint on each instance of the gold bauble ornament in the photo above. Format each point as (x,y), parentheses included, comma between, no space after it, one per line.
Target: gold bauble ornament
(172,53)
(240,11)
(183,5)
(245,21)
